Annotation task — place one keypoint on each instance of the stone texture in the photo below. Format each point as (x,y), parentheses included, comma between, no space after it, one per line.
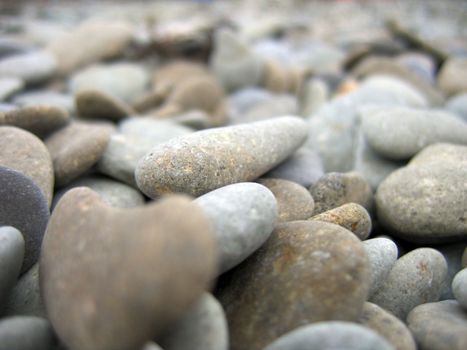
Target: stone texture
(388,326)
(105,288)
(416,278)
(459,287)
(31,67)
(335,189)
(76,148)
(26,332)
(439,326)
(204,327)
(306,272)
(331,335)
(209,159)
(40,120)
(294,202)
(95,104)
(11,259)
(23,206)
(382,254)
(243,216)
(351,216)
(24,152)
(452,77)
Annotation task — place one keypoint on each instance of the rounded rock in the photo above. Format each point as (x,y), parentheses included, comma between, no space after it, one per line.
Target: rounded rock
(11,259)
(96,104)
(25,333)
(459,287)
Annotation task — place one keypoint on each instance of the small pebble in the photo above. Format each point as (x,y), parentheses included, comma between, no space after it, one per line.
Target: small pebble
(459,287)
(11,259)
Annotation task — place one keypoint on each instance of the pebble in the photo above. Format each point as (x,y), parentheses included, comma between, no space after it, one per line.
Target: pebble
(24,207)
(33,98)
(209,159)
(303,167)
(335,189)
(388,326)
(30,67)
(9,86)
(306,272)
(22,151)
(93,272)
(439,326)
(458,105)
(423,65)
(331,335)
(294,202)
(91,42)
(350,216)
(11,259)
(25,333)
(399,133)
(243,215)
(242,100)
(452,76)
(76,148)
(459,287)
(96,104)
(453,255)
(382,254)
(416,278)
(114,193)
(151,346)
(425,201)
(441,152)
(41,120)
(204,327)
(135,138)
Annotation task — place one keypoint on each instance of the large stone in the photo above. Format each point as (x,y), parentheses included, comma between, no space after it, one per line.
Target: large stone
(306,272)
(209,159)
(11,259)
(106,287)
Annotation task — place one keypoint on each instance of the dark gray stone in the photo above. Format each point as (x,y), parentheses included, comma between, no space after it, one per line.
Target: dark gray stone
(26,333)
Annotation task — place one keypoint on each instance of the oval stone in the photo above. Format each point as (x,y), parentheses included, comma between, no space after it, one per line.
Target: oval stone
(11,259)
(26,332)
(459,287)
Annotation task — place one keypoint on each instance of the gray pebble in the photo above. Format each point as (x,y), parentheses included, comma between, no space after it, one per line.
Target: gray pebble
(11,259)
(31,67)
(10,86)
(459,287)
(45,97)
(26,333)
(453,255)
(458,105)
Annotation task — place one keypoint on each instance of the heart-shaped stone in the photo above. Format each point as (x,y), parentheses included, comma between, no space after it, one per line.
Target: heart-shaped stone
(115,278)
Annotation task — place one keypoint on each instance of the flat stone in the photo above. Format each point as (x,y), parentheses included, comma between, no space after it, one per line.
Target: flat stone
(91,42)
(335,189)
(399,133)
(382,254)
(458,105)
(388,326)
(136,137)
(33,98)
(26,332)
(294,202)
(24,152)
(31,67)
(9,86)
(11,259)
(459,287)
(40,120)
(96,104)
(243,215)
(351,216)
(209,159)
(306,272)
(204,327)
(452,77)
(76,148)
(93,271)
(439,326)
(303,167)
(416,278)
(114,193)
(25,297)
(331,335)
(24,207)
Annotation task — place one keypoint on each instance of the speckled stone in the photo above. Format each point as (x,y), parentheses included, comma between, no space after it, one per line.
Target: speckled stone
(452,78)
(31,67)
(204,327)
(94,273)
(388,326)
(306,272)
(351,216)
(415,278)
(439,326)
(24,152)
(399,133)
(303,167)
(40,120)
(11,259)
(459,287)
(95,104)
(23,206)
(76,148)
(382,254)
(294,202)
(331,335)
(209,159)
(25,333)
(243,216)
(441,152)
(335,189)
